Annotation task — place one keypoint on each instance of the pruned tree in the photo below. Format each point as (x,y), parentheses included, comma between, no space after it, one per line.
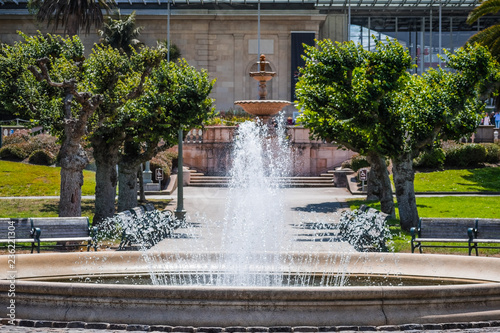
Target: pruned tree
(346,93)
(40,78)
(437,105)
(118,78)
(177,96)
(375,106)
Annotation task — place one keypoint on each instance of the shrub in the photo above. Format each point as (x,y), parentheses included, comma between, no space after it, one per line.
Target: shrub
(164,160)
(14,152)
(492,153)
(365,231)
(465,155)
(346,164)
(21,145)
(358,162)
(41,157)
(19,136)
(433,159)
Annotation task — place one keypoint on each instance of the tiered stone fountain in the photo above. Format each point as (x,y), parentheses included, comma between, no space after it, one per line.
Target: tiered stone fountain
(262,108)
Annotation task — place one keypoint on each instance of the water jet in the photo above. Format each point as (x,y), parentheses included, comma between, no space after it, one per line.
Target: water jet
(459,288)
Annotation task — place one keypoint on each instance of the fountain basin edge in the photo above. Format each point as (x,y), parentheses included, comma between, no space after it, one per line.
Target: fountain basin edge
(254,306)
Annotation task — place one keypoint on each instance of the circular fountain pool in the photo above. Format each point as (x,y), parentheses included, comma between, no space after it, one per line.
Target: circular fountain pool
(250,306)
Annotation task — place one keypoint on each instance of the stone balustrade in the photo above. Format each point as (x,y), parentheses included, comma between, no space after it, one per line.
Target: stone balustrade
(208,150)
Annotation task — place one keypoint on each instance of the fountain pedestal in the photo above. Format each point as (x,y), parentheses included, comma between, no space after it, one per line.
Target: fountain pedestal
(262,108)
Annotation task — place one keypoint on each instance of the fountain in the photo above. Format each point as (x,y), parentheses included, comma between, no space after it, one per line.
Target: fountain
(262,108)
(269,284)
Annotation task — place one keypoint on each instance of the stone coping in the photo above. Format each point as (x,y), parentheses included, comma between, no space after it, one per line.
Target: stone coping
(209,306)
(250,329)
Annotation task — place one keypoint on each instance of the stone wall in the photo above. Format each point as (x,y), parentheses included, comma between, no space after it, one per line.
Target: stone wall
(209,151)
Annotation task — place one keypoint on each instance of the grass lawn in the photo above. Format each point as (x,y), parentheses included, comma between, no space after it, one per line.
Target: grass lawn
(20,179)
(461,180)
(18,208)
(447,206)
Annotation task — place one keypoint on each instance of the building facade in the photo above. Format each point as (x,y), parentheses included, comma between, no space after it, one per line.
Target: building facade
(222,36)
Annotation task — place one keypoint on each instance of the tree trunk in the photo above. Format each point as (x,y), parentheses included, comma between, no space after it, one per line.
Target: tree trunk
(379,183)
(127,188)
(73,161)
(405,191)
(106,159)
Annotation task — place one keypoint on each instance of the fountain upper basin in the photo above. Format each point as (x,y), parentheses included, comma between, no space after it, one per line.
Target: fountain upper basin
(254,306)
(262,108)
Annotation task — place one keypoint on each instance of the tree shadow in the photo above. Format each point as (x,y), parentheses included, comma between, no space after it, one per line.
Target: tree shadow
(484,179)
(324,207)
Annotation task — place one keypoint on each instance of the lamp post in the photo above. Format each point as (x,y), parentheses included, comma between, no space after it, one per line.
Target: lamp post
(180,213)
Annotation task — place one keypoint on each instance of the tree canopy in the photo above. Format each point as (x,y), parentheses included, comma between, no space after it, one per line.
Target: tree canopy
(369,102)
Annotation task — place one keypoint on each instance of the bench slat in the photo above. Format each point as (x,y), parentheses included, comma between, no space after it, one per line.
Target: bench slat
(21,228)
(448,230)
(442,240)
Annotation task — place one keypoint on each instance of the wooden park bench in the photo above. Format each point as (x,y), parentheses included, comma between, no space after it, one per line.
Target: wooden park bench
(14,231)
(431,231)
(485,232)
(65,229)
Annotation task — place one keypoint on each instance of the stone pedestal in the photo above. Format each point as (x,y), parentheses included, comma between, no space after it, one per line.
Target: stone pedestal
(340,177)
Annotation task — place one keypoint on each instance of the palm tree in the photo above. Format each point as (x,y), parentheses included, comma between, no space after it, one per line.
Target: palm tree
(73,15)
(489,37)
(175,52)
(121,33)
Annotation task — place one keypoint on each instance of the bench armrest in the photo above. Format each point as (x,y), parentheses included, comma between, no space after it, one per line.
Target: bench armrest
(414,232)
(472,233)
(35,233)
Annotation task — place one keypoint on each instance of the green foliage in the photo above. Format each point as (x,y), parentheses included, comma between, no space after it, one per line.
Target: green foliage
(465,155)
(346,92)
(121,33)
(175,52)
(14,152)
(431,159)
(358,162)
(21,145)
(176,96)
(41,157)
(488,37)
(492,152)
(71,15)
(164,161)
(22,95)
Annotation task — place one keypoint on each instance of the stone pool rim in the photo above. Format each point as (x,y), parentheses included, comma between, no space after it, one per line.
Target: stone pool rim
(256,306)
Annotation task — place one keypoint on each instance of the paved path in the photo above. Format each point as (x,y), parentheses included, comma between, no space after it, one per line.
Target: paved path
(301,212)
(303,207)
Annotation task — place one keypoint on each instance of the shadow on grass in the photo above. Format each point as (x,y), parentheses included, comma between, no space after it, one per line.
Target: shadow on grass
(88,206)
(484,179)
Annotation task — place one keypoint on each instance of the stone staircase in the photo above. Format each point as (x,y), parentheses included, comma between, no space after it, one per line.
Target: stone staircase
(324,180)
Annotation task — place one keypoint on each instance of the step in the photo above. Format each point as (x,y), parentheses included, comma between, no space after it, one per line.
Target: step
(223,181)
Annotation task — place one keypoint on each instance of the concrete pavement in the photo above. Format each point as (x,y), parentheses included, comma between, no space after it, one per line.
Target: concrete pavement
(307,212)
